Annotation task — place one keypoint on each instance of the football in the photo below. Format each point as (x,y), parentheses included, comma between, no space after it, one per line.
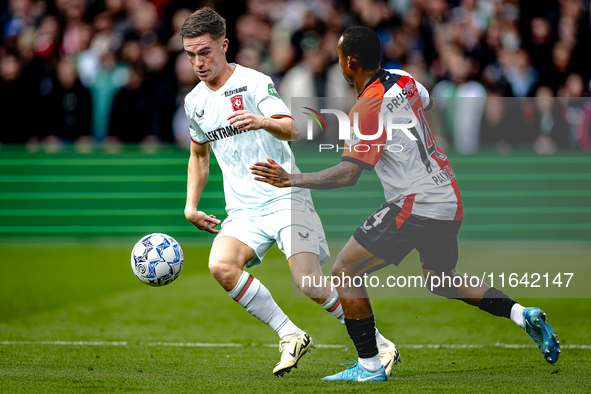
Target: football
(157,259)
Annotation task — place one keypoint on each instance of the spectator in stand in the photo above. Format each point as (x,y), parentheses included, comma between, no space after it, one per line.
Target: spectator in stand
(313,77)
(545,127)
(18,16)
(576,108)
(464,101)
(108,80)
(505,46)
(72,107)
(131,116)
(519,73)
(186,81)
(16,127)
(160,86)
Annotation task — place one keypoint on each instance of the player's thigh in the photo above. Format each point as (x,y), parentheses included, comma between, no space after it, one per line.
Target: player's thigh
(300,232)
(240,240)
(228,250)
(384,238)
(355,260)
(438,247)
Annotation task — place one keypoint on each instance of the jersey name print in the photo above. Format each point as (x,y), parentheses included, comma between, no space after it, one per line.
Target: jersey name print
(237,150)
(223,132)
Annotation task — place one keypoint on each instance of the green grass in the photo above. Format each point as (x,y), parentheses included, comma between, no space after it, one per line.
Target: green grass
(88,293)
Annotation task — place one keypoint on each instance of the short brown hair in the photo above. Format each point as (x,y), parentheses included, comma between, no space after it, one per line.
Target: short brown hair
(203,21)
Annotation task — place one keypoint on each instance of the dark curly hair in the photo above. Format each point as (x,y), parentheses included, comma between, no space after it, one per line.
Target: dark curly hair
(362,44)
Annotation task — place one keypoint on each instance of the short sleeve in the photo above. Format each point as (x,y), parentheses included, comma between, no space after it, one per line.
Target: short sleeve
(425,96)
(365,153)
(267,99)
(423,92)
(197,135)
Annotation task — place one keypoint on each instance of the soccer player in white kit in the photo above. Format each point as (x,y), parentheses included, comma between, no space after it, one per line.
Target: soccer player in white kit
(237,112)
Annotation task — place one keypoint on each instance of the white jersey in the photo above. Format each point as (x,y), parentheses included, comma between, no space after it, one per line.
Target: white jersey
(416,175)
(236,151)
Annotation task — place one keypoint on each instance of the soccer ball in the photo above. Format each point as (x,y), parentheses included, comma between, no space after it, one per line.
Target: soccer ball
(157,259)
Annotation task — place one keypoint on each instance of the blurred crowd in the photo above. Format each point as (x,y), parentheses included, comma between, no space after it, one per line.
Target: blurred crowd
(84,72)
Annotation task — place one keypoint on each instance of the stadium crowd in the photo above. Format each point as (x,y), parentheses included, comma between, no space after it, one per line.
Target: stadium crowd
(84,72)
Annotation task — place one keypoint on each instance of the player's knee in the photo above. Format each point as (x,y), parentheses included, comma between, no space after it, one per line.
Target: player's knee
(219,270)
(338,268)
(440,283)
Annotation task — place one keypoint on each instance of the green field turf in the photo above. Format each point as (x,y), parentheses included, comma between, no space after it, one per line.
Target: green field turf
(87,293)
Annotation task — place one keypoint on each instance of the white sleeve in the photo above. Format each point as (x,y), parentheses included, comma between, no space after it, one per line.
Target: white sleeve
(197,135)
(267,99)
(423,92)
(425,97)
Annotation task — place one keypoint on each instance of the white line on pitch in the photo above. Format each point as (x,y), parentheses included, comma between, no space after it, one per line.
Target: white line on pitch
(321,346)
(191,344)
(440,346)
(64,343)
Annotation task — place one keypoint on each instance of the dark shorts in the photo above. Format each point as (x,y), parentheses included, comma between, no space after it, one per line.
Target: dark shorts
(387,234)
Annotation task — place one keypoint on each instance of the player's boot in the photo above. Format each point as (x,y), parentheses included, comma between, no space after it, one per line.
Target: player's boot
(356,373)
(389,354)
(292,348)
(536,325)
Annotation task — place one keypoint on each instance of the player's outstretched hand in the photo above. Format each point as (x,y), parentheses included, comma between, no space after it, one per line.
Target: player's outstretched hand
(245,120)
(203,221)
(271,173)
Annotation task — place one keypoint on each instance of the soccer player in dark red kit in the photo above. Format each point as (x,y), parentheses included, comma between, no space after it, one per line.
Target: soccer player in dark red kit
(423,208)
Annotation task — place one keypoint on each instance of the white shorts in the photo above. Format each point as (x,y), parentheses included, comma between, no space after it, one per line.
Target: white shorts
(295,230)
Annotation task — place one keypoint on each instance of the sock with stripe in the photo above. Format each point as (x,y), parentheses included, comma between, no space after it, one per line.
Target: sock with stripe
(333,306)
(257,300)
(363,334)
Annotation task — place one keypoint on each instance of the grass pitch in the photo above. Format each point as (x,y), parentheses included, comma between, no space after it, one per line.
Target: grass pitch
(119,335)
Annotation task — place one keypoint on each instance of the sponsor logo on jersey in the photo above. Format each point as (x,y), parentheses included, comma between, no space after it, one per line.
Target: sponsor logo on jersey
(273,91)
(200,115)
(408,92)
(235,91)
(237,102)
(222,132)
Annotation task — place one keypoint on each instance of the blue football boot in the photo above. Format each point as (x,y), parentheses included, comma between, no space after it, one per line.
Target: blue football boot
(356,373)
(536,325)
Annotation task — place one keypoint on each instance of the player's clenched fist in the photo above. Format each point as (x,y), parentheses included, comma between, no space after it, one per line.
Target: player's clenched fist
(271,173)
(203,221)
(245,120)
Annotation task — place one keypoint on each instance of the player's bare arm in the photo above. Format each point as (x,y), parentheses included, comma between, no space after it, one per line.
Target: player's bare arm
(196,179)
(284,129)
(343,174)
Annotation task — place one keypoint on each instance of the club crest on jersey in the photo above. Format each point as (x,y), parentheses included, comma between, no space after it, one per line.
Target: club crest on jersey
(237,102)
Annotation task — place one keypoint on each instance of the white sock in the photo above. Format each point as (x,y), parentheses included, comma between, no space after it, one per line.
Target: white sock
(333,306)
(287,329)
(517,315)
(256,299)
(381,341)
(371,364)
